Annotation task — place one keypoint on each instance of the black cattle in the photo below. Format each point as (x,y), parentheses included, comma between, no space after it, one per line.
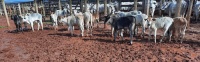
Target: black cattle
(122,23)
(17,20)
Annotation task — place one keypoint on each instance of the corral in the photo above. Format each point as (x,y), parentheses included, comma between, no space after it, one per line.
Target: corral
(51,45)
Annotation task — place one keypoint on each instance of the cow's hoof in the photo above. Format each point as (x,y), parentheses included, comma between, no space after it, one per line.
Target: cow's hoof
(130,43)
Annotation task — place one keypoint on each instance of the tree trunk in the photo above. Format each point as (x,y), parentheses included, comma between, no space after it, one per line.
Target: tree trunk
(59,5)
(20,12)
(70,3)
(161,3)
(81,5)
(189,12)
(105,7)
(5,11)
(85,3)
(43,9)
(146,9)
(36,7)
(97,7)
(135,4)
(178,8)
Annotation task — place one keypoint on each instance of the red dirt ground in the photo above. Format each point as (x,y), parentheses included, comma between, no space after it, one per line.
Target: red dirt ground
(56,46)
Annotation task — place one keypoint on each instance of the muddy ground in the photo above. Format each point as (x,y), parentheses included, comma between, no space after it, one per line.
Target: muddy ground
(56,46)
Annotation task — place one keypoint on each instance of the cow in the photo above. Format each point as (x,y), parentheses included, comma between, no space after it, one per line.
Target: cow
(55,22)
(122,23)
(118,15)
(178,28)
(153,5)
(170,8)
(141,20)
(88,20)
(17,20)
(33,17)
(74,20)
(157,23)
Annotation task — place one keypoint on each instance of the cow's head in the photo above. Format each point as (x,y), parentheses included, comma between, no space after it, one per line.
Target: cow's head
(25,18)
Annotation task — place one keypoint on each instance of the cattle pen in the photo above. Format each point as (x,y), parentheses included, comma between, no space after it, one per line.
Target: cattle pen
(99,30)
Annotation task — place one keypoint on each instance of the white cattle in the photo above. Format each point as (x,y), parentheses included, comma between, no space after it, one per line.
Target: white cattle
(170,8)
(88,20)
(33,17)
(152,7)
(130,13)
(157,23)
(178,27)
(141,20)
(74,20)
(55,22)
(196,10)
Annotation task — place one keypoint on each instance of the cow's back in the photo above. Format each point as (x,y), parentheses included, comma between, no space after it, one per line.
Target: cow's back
(163,21)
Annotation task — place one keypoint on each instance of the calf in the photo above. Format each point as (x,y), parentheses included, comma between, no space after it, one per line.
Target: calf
(74,20)
(141,20)
(55,22)
(88,22)
(178,27)
(157,23)
(33,17)
(17,20)
(122,23)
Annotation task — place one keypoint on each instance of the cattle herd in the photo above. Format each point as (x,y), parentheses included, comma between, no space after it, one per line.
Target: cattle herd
(119,21)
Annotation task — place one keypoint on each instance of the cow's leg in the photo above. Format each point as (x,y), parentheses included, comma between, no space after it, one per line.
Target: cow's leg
(121,34)
(182,34)
(38,26)
(150,32)
(112,31)
(25,24)
(91,27)
(56,23)
(88,28)
(131,34)
(41,24)
(165,31)
(115,34)
(71,30)
(155,31)
(82,30)
(143,30)
(32,26)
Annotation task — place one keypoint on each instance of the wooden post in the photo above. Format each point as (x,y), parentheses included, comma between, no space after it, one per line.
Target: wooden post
(59,5)
(178,8)
(85,3)
(119,5)
(22,8)
(135,4)
(70,3)
(81,5)
(161,3)
(19,7)
(105,7)
(97,7)
(43,9)
(189,13)
(5,11)
(36,7)
(146,9)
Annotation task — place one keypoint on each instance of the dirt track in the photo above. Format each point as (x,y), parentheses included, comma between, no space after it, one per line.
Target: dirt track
(56,46)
